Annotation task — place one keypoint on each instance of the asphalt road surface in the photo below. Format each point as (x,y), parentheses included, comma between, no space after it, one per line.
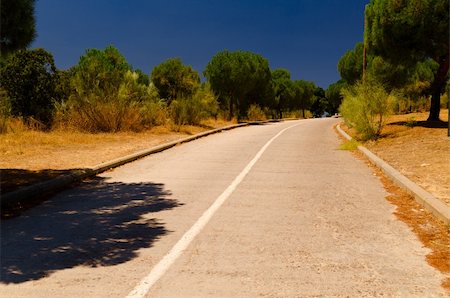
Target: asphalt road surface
(271,210)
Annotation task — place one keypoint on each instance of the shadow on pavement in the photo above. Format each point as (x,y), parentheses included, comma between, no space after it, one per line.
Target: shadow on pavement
(98,224)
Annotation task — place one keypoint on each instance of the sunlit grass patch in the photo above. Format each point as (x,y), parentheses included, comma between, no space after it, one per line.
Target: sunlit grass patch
(349,145)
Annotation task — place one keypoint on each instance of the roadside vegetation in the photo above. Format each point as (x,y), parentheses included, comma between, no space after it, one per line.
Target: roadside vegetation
(401,66)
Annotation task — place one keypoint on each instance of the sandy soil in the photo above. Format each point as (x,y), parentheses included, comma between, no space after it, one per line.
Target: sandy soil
(418,151)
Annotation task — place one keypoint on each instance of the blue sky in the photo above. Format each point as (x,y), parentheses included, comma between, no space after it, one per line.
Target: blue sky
(307,37)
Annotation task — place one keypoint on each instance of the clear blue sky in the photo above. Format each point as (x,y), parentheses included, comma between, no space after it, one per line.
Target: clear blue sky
(307,37)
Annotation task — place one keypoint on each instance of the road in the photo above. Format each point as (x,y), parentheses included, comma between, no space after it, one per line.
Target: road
(271,210)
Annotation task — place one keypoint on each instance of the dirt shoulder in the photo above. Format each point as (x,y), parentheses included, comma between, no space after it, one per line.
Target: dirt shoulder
(418,151)
(27,157)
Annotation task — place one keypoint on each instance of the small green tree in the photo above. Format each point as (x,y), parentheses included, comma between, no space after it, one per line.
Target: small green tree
(365,107)
(174,80)
(17,28)
(30,78)
(107,95)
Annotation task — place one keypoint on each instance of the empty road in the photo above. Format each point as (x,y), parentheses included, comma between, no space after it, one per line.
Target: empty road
(271,210)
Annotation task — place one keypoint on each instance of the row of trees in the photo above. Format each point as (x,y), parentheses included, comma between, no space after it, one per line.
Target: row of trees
(104,93)
(405,52)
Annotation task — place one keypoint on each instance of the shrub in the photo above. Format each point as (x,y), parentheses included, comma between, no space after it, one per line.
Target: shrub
(186,111)
(365,107)
(107,95)
(5,110)
(30,78)
(255,113)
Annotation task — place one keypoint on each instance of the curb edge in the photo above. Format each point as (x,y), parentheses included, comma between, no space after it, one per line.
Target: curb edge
(426,199)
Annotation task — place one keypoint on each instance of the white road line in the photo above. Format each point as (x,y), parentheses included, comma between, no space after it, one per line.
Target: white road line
(158,271)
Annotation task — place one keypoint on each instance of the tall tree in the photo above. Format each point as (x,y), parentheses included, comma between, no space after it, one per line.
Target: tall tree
(334,96)
(410,31)
(284,90)
(174,80)
(304,94)
(30,78)
(17,29)
(351,63)
(238,78)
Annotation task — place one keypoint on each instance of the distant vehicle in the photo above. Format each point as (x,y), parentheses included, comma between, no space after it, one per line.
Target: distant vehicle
(336,115)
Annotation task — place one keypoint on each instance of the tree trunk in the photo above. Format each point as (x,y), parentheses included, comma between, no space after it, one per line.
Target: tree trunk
(303,113)
(436,88)
(230,115)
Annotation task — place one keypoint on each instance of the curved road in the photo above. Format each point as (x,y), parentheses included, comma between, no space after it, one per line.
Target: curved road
(272,210)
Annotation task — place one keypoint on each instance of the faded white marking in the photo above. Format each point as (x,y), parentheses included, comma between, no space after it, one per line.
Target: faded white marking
(159,269)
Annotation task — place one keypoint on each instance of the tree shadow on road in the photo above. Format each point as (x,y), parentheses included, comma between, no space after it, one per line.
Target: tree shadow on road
(98,224)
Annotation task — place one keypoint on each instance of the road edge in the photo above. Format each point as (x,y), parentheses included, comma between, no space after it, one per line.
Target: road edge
(62,182)
(426,199)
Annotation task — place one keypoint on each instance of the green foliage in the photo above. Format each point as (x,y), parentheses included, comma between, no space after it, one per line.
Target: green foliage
(143,79)
(350,64)
(284,90)
(350,145)
(304,95)
(407,32)
(320,103)
(5,110)
(365,107)
(17,28)
(175,80)
(239,79)
(255,113)
(334,96)
(194,109)
(107,95)
(30,78)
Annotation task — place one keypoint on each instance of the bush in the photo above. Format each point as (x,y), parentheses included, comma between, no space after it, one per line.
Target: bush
(255,113)
(30,79)
(5,110)
(365,107)
(106,96)
(186,111)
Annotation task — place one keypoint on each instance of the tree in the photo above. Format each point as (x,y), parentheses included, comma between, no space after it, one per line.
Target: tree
(284,90)
(17,29)
(30,78)
(304,93)
(238,79)
(350,64)
(99,73)
(174,80)
(334,96)
(319,104)
(411,31)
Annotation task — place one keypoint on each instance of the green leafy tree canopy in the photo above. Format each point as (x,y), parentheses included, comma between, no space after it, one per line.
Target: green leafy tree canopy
(30,78)
(409,32)
(175,80)
(17,28)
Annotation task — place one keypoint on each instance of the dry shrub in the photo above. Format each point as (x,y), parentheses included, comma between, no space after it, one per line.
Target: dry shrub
(255,113)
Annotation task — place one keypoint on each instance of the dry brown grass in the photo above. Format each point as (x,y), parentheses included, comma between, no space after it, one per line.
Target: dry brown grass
(419,152)
(30,156)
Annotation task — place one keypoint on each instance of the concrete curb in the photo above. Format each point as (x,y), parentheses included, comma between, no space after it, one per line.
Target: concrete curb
(63,181)
(430,202)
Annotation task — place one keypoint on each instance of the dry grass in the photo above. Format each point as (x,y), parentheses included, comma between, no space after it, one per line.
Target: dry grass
(418,151)
(30,156)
